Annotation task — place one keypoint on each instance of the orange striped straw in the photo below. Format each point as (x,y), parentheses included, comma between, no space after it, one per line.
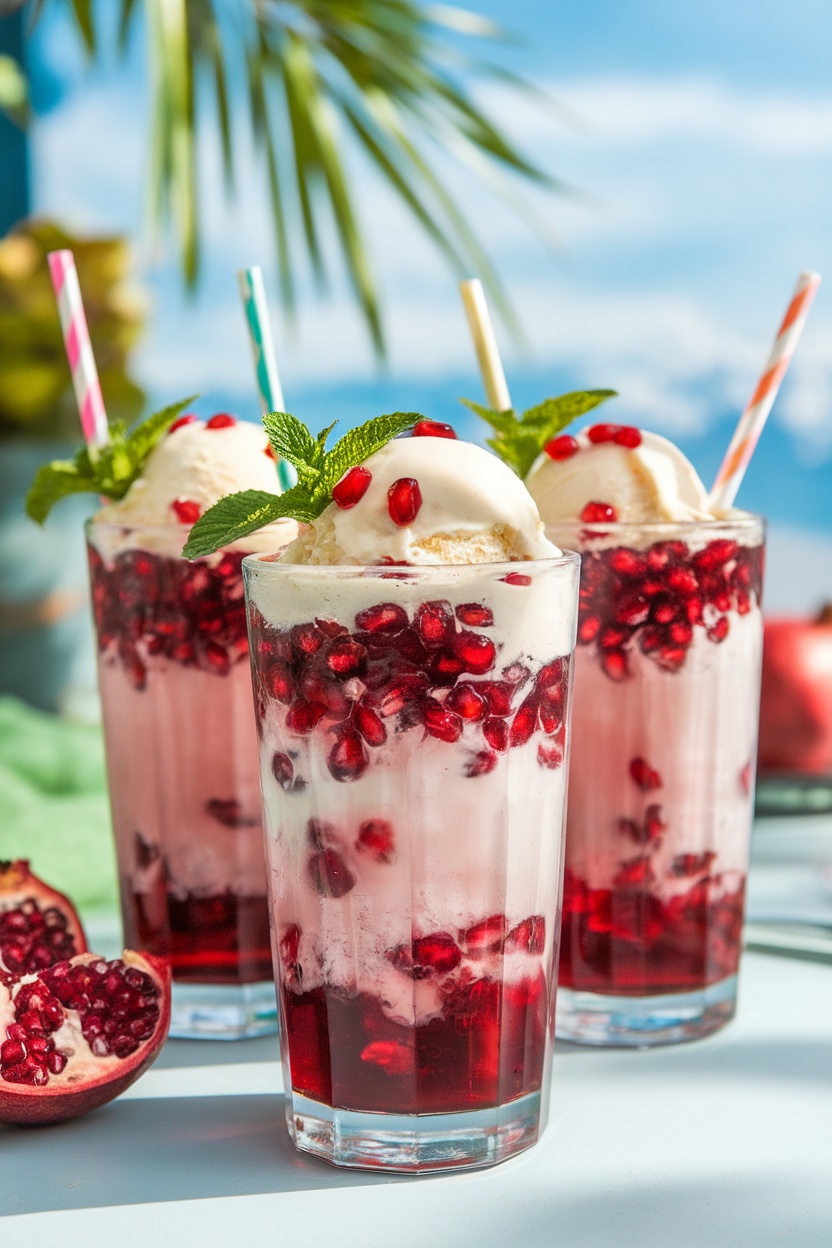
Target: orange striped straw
(751,423)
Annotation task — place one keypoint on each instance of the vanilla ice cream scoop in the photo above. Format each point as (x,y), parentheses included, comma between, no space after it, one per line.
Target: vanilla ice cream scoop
(641,476)
(426,500)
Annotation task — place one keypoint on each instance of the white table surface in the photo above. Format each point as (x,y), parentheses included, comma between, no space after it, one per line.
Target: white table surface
(726,1141)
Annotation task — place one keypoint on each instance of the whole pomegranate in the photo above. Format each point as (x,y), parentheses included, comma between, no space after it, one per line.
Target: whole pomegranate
(38,926)
(796,698)
(78,1033)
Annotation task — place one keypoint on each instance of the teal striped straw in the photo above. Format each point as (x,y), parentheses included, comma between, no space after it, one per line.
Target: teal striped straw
(253,294)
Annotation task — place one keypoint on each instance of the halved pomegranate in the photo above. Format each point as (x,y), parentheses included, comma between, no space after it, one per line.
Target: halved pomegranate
(76,1034)
(38,926)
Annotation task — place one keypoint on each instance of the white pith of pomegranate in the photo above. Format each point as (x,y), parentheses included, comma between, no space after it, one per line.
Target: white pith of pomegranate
(76,1034)
(38,925)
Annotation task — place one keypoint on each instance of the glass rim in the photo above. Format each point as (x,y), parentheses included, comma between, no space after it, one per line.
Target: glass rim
(745,521)
(567,558)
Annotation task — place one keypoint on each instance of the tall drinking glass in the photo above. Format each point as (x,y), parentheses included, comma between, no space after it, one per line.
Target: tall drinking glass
(662,778)
(413,735)
(182,768)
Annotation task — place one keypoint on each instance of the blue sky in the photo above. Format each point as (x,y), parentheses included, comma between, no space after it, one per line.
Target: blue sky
(701,140)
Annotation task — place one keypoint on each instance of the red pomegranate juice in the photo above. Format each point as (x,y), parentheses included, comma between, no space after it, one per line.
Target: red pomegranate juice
(662,771)
(413,728)
(182,758)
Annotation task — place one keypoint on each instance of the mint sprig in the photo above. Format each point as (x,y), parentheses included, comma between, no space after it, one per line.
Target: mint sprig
(109,470)
(318,469)
(518,442)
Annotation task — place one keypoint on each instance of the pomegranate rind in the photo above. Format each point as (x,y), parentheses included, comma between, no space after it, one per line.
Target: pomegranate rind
(60,1100)
(18,883)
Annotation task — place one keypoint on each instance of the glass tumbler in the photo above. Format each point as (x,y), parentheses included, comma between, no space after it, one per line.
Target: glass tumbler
(661,785)
(182,768)
(413,737)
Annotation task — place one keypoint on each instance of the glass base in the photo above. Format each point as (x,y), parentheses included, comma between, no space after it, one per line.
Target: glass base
(223,1011)
(639,1022)
(414,1143)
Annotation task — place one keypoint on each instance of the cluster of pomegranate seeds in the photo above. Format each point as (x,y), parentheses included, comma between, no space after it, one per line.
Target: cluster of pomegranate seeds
(187,419)
(645,776)
(404,499)
(118,1009)
(352,487)
(562,447)
(190,613)
(656,598)
(394,674)
(187,511)
(32,939)
(433,429)
(222,420)
(622,435)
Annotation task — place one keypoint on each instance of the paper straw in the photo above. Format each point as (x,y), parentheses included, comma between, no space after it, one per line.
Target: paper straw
(78,348)
(482,331)
(253,294)
(750,425)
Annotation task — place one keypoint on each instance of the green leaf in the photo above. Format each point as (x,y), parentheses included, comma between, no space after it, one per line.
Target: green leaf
(55,481)
(566,408)
(290,439)
(359,444)
(519,442)
(143,437)
(238,515)
(502,422)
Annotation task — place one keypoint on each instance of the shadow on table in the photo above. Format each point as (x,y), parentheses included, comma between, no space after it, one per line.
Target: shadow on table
(179,1053)
(139,1151)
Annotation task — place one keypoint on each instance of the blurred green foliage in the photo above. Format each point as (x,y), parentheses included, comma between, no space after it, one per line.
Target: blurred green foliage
(36,397)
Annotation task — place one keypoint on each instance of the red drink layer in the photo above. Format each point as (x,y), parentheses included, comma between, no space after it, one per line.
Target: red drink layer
(413,789)
(661,778)
(182,762)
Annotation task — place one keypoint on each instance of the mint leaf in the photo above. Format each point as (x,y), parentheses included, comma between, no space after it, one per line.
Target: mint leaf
(359,444)
(519,442)
(318,471)
(109,472)
(237,515)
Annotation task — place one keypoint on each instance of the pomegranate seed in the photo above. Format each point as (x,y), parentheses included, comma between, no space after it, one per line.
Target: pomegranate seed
(627,562)
(484,938)
(348,757)
(228,812)
(480,764)
(516,674)
(187,419)
(433,429)
(497,694)
(283,771)
(551,718)
(528,936)
(330,628)
(495,732)
(476,653)
(187,511)
(635,873)
(588,629)
(664,610)
(671,658)
(550,755)
(438,953)
(614,663)
(290,944)
(329,875)
(523,724)
(268,452)
(654,825)
(393,1058)
(375,837)
(681,633)
(598,513)
(308,638)
(613,638)
(691,864)
(467,702)
(404,498)
(715,554)
(440,722)
(352,487)
(602,433)
(633,612)
(12,1052)
(434,622)
(645,776)
(628,436)
(302,717)
(682,581)
(385,618)
(346,657)
(369,724)
(718,631)
(662,554)
(475,615)
(629,828)
(516,578)
(562,447)
(279,681)
(222,420)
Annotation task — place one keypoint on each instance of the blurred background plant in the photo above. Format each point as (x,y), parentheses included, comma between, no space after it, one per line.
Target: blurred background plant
(36,398)
(392,75)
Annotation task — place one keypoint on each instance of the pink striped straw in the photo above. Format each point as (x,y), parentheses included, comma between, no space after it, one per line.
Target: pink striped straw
(750,425)
(79,348)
